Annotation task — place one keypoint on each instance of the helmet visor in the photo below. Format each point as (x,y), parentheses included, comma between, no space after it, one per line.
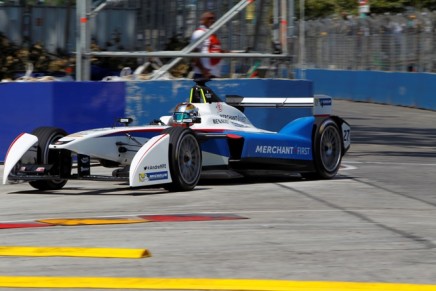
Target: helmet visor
(181,117)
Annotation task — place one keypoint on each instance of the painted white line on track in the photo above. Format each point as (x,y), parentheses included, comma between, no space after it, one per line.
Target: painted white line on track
(345,167)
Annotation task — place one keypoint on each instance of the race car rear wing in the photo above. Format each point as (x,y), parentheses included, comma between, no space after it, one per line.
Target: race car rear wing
(320,104)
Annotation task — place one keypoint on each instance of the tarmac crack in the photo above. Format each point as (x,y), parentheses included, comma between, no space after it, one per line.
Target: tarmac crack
(394,192)
(428,244)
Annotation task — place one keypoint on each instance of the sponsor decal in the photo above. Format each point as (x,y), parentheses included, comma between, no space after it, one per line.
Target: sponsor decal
(304,151)
(274,150)
(283,151)
(84,165)
(157,176)
(323,102)
(234,117)
(219,121)
(155,167)
(84,159)
(219,107)
(238,124)
(153,176)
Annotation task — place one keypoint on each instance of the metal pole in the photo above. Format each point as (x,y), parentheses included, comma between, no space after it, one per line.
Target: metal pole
(87,42)
(220,22)
(180,54)
(79,41)
(258,22)
(276,8)
(302,40)
(291,18)
(83,66)
(97,10)
(283,28)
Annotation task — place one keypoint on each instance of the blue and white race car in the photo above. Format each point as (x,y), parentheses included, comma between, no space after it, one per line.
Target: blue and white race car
(173,152)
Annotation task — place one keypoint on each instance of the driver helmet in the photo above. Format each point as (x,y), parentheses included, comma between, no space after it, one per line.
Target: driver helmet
(185,113)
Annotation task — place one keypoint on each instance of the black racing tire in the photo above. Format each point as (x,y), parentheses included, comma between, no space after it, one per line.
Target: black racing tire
(185,159)
(61,160)
(327,149)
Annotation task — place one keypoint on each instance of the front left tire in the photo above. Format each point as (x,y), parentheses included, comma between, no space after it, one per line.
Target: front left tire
(61,160)
(184,158)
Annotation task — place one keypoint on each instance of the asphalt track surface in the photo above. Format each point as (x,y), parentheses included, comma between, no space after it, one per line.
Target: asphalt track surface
(373,227)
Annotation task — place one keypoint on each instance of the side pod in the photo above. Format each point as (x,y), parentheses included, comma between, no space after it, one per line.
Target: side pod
(16,150)
(150,165)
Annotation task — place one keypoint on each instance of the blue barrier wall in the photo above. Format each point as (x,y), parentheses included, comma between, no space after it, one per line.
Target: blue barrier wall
(73,106)
(147,100)
(405,89)
(76,106)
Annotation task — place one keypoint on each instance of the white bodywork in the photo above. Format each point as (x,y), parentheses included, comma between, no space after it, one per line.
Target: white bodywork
(150,166)
(102,143)
(17,149)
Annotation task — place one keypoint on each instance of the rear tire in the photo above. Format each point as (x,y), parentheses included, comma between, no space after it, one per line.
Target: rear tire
(184,158)
(327,150)
(61,160)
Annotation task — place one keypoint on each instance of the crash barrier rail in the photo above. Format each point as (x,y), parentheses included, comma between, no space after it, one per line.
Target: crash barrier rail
(394,88)
(76,106)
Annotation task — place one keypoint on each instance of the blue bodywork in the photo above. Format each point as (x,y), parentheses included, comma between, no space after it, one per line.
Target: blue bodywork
(292,143)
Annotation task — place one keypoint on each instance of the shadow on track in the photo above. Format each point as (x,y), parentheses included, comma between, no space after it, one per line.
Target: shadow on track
(122,189)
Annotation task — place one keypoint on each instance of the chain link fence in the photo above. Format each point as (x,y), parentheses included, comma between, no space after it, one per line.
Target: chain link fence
(403,42)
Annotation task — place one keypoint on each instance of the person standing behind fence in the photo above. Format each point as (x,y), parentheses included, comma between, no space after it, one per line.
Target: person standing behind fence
(207,67)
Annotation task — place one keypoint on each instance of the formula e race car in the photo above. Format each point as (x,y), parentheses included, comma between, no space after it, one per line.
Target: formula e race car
(173,152)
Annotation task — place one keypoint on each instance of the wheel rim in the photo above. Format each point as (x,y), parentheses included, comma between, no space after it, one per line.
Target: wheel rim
(189,159)
(330,149)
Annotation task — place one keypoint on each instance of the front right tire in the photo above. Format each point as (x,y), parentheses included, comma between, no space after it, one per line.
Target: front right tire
(327,149)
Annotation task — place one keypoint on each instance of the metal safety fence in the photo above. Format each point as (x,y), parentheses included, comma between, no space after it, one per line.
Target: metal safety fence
(149,26)
(403,42)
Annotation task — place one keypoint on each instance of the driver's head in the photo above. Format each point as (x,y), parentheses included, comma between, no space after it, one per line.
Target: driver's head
(185,113)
